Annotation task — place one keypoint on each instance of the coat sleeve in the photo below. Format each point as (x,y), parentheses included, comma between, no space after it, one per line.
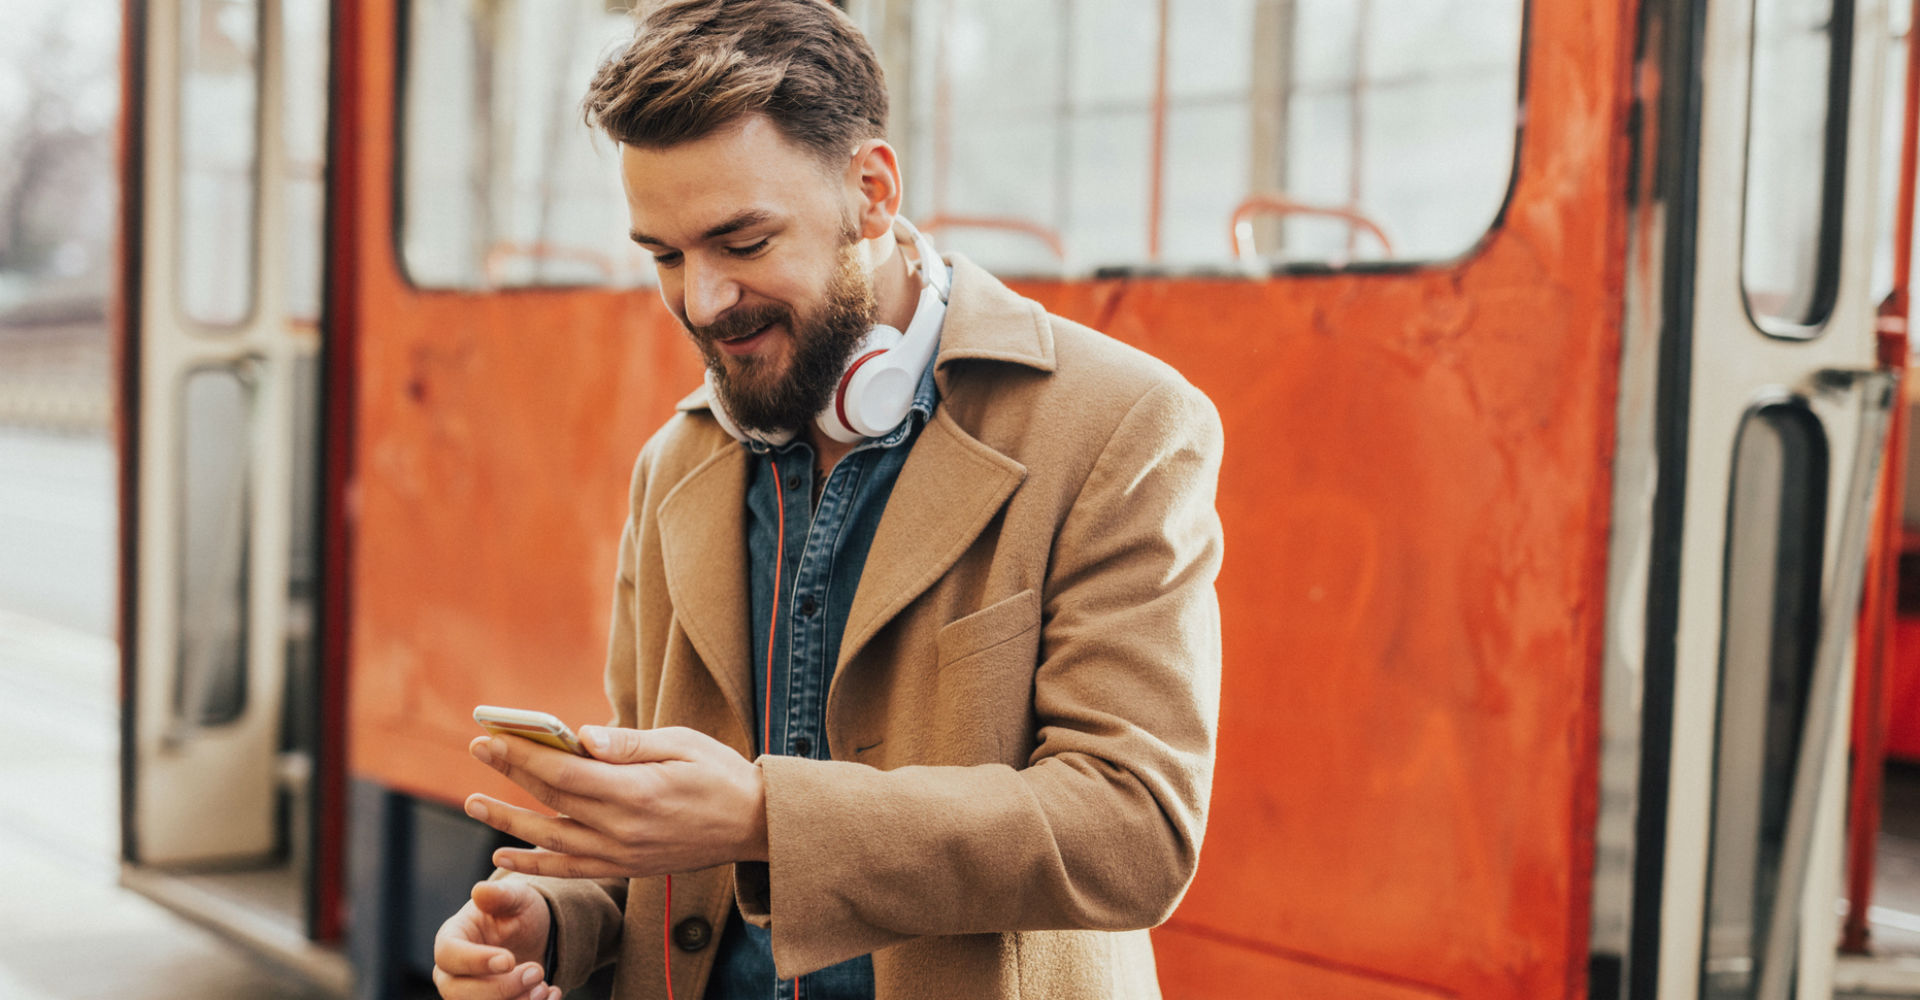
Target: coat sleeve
(589,914)
(1102,828)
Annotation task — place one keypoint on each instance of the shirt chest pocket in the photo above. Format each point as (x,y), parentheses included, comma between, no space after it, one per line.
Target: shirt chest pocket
(984,684)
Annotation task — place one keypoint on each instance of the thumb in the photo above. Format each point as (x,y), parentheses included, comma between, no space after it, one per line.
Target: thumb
(503,898)
(624,746)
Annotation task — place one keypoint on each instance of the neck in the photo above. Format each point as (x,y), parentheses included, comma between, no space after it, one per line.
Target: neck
(895,291)
(827,452)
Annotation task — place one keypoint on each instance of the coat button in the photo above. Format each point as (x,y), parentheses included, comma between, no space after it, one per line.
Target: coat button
(803,746)
(692,934)
(808,606)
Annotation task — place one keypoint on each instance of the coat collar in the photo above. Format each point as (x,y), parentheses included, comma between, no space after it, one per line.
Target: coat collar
(951,488)
(986,321)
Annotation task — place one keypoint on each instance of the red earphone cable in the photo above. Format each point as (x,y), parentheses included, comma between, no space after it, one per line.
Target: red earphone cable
(779,560)
(666,938)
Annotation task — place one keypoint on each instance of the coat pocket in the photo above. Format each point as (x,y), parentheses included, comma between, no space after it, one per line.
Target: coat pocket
(988,627)
(984,685)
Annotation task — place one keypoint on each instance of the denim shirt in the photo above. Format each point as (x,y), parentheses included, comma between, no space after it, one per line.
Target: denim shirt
(825,551)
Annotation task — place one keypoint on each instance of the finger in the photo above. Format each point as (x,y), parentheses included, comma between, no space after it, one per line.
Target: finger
(518,984)
(558,865)
(636,746)
(562,834)
(561,781)
(460,947)
(463,957)
(502,900)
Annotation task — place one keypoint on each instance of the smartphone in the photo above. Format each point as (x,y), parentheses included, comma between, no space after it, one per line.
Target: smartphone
(539,727)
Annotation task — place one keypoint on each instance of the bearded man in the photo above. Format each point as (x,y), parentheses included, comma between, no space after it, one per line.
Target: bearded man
(912,710)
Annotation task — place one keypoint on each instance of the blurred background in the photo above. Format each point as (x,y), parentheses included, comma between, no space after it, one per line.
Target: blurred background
(76,932)
(356,472)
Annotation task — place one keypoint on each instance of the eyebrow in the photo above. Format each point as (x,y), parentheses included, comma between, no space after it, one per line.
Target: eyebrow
(744,220)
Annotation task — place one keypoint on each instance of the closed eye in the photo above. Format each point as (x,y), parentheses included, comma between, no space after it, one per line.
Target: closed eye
(752,250)
(669,260)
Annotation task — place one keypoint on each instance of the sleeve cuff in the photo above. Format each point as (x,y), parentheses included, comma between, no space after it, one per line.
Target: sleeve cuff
(585,924)
(751,881)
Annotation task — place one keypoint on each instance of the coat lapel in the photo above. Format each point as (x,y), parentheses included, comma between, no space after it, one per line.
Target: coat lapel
(950,489)
(703,546)
(952,485)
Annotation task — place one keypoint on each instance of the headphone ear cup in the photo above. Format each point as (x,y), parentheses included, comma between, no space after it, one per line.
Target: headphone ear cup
(877,396)
(846,416)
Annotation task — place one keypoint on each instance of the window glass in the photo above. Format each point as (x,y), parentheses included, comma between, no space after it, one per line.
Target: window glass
(1893,101)
(304,136)
(1795,162)
(210,686)
(1771,621)
(219,159)
(502,184)
(1074,136)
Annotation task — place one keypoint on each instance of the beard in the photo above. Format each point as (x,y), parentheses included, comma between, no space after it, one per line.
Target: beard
(758,396)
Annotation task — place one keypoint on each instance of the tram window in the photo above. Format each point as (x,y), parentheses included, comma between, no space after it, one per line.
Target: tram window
(501,183)
(1771,620)
(219,159)
(1052,137)
(304,135)
(1796,151)
(1893,101)
(211,649)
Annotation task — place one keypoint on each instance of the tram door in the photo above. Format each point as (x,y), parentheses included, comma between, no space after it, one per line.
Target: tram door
(222,446)
(1784,421)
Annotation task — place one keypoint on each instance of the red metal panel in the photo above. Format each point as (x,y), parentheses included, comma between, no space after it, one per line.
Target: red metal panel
(492,438)
(1415,496)
(1416,500)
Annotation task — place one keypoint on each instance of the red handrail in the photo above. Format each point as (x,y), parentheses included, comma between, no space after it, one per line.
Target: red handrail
(1877,610)
(1045,234)
(1273,204)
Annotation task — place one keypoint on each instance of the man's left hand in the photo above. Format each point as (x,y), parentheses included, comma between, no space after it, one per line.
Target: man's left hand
(649,802)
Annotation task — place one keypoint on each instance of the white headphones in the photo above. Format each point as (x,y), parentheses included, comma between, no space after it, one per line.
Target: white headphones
(876,390)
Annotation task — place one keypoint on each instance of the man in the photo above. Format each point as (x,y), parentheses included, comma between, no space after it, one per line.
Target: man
(926,713)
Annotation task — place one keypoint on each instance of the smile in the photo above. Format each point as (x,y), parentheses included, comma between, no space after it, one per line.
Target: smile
(746,344)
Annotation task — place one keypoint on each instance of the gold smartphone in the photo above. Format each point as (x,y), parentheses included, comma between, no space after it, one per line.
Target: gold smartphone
(539,727)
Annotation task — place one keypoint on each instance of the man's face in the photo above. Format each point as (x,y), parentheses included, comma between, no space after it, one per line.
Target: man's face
(757,258)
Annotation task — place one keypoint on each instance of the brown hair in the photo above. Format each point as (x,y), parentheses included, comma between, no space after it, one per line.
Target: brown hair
(695,66)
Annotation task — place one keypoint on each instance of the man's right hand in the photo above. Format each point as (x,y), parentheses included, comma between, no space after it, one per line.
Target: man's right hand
(491,949)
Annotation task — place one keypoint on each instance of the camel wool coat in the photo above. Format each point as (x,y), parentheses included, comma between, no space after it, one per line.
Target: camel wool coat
(1021,719)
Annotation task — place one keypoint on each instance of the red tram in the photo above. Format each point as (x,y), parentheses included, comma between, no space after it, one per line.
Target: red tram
(1543,334)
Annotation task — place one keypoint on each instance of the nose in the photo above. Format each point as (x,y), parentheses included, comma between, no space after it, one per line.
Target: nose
(708,292)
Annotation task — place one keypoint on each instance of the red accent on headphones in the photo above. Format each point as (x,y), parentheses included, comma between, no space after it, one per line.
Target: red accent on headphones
(840,394)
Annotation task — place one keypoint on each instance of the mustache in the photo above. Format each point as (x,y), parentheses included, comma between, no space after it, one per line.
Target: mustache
(739,323)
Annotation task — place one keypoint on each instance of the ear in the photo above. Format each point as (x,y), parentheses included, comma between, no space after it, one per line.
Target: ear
(873,188)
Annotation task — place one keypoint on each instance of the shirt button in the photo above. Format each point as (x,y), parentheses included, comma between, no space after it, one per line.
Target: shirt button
(793,482)
(803,746)
(808,607)
(692,934)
